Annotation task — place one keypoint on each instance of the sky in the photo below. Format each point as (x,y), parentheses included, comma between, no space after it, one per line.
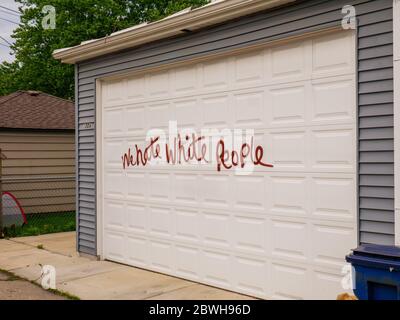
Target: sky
(8,22)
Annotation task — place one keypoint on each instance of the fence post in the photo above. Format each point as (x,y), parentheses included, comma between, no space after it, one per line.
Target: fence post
(2,157)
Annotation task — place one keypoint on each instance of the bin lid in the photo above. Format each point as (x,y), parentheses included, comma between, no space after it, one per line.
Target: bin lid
(378,256)
(378,250)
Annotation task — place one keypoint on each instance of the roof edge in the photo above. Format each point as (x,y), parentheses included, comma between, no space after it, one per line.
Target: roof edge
(26,128)
(10,96)
(211,14)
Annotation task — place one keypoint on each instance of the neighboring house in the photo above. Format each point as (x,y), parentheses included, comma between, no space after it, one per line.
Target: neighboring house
(37,137)
(321,101)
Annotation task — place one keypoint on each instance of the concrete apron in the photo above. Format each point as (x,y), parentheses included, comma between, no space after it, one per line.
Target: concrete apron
(90,279)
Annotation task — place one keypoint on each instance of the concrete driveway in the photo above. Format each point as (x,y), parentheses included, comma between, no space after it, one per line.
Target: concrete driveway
(89,279)
(13,288)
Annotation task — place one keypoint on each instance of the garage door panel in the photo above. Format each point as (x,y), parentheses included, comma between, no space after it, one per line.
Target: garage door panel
(248,192)
(215,276)
(289,281)
(216,111)
(283,194)
(187,113)
(326,190)
(187,225)
(288,149)
(113,93)
(188,262)
(135,89)
(158,115)
(113,122)
(186,188)
(324,63)
(135,120)
(215,229)
(248,109)
(250,275)
(276,233)
(256,234)
(332,149)
(249,234)
(160,222)
(333,243)
(333,100)
(286,105)
(186,79)
(111,147)
(325,282)
(290,239)
(249,68)
(113,186)
(279,194)
(281,106)
(116,221)
(290,62)
(160,187)
(287,195)
(216,268)
(137,251)
(271,66)
(114,246)
(161,256)
(214,190)
(136,218)
(137,186)
(215,74)
(158,84)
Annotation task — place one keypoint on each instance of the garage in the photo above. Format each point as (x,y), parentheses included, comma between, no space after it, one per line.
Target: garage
(256,233)
(315,100)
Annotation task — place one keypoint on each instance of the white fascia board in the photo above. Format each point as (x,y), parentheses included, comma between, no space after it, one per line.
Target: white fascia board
(396,109)
(214,13)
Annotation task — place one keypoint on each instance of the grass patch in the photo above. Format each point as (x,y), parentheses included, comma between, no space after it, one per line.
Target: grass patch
(43,223)
(14,277)
(10,276)
(64,294)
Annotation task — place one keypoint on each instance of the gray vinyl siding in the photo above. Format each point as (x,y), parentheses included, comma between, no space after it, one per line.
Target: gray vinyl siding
(375,97)
(376,146)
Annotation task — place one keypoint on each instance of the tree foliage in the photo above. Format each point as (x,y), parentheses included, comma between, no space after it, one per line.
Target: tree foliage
(34,67)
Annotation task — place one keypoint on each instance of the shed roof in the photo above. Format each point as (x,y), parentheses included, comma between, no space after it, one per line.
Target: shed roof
(36,110)
(216,12)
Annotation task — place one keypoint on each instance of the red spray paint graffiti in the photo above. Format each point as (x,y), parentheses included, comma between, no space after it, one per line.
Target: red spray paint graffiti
(188,150)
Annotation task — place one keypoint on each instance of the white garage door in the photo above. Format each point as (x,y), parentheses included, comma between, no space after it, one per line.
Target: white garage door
(279,232)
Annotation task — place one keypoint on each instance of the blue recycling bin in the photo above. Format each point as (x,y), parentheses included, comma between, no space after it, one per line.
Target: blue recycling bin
(377,272)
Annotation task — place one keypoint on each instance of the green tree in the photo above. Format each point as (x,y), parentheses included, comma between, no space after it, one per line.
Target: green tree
(76,20)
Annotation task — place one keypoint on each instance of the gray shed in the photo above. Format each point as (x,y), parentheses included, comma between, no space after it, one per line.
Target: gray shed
(312,83)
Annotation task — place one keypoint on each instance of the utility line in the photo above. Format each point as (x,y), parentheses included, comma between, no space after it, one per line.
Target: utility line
(12,10)
(8,20)
(10,13)
(5,40)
